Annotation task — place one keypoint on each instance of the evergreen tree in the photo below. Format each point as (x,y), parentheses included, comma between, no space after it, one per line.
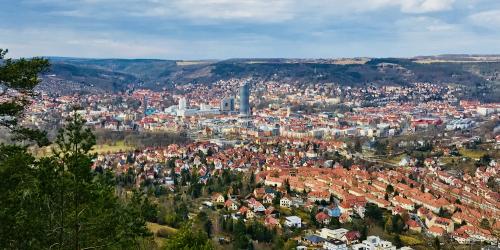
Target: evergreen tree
(187,239)
(397,241)
(20,77)
(55,202)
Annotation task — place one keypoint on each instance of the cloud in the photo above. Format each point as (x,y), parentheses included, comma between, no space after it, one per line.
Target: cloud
(197,29)
(260,11)
(425,6)
(425,24)
(48,42)
(487,19)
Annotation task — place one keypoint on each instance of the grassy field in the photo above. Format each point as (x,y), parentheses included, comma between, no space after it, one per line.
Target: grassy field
(99,149)
(106,148)
(155,227)
(474,154)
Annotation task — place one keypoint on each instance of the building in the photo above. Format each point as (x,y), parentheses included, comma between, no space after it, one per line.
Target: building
(333,233)
(374,242)
(144,104)
(245,100)
(218,198)
(313,240)
(285,201)
(182,104)
(227,104)
(334,244)
(293,221)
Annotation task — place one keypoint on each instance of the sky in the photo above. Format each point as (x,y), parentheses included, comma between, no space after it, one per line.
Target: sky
(221,29)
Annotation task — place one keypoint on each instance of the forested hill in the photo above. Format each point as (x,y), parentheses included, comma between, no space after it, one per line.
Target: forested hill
(95,75)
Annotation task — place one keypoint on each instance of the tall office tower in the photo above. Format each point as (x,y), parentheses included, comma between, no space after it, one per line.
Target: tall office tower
(245,100)
(144,104)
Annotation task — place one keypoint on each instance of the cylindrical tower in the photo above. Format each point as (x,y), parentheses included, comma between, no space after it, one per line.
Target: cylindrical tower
(245,100)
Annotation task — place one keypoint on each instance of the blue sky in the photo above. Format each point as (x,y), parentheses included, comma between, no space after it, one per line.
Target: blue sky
(220,29)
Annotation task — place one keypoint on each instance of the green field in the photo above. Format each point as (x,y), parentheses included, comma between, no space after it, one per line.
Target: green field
(474,154)
(116,147)
(99,149)
(155,227)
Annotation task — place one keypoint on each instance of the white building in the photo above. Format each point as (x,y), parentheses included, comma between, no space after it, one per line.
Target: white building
(333,234)
(285,202)
(182,104)
(374,243)
(293,221)
(460,124)
(334,244)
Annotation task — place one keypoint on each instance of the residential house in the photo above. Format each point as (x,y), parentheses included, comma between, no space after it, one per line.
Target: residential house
(436,231)
(231,205)
(218,198)
(414,226)
(267,199)
(374,242)
(322,218)
(333,234)
(293,221)
(333,211)
(286,201)
(334,244)
(313,240)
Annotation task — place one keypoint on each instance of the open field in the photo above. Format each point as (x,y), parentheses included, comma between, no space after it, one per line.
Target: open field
(155,227)
(117,147)
(99,149)
(474,154)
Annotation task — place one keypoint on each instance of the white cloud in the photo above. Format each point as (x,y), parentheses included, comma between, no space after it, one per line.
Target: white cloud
(250,28)
(425,24)
(425,6)
(487,19)
(260,11)
(257,10)
(49,42)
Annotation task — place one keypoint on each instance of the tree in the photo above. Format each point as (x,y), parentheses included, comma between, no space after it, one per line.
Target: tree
(87,204)
(398,224)
(241,240)
(277,198)
(186,239)
(59,202)
(397,241)
(492,183)
(18,78)
(436,243)
(485,223)
(19,212)
(287,186)
(334,223)
(357,146)
(389,189)
(290,244)
(374,212)
(279,243)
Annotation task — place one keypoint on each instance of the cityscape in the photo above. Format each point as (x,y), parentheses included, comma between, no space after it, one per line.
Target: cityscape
(298,147)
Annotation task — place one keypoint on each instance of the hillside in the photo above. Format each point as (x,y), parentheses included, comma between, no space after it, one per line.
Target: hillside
(479,74)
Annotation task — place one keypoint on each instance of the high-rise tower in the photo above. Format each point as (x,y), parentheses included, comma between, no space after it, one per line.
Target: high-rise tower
(144,104)
(245,100)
